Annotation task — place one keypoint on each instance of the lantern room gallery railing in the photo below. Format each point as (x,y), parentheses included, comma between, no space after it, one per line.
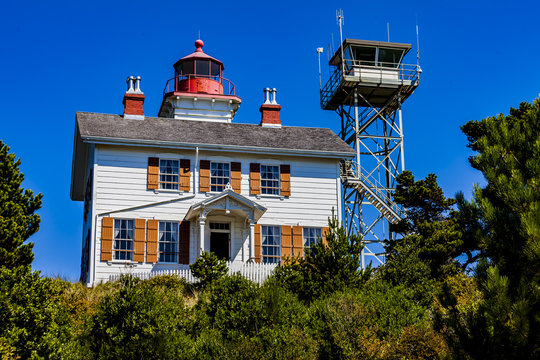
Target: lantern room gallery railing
(172,84)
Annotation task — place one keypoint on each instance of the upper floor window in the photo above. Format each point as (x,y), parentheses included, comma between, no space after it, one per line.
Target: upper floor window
(124,233)
(169,174)
(168,241)
(311,235)
(270,180)
(220,175)
(271,244)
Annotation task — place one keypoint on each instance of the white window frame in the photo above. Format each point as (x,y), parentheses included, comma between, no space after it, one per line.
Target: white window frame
(276,189)
(308,240)
(176,185)
(212,177)
(163,232)
(275,257)
(129,241)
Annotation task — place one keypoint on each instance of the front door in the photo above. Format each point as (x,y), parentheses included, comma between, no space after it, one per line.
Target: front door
(219,245)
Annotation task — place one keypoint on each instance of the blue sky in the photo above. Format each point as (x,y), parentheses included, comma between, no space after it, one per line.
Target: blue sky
(479,58)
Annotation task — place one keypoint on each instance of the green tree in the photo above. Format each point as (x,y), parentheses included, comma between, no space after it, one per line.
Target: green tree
(431,239)
(208,268)
(141,320)
(17,219)
(33,322)
(327,267)
(505,323)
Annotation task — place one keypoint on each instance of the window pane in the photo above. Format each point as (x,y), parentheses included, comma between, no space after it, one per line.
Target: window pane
(270,180)
(389,57)
(219,175)
(215,69)
(311,235)
(202,67)
(168,241)
(123,239)
(271,244)
(169,174)
(188,68)
(366,55)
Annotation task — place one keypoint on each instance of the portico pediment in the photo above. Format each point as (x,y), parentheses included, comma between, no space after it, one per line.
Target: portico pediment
(228,202)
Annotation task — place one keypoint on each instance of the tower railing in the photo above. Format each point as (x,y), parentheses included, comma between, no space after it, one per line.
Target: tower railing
(369,71)
(172,84)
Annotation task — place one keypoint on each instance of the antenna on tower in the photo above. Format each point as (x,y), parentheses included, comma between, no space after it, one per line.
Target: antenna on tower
(388,30)
(199,33)
(319,51)
(341,21)
(417,47)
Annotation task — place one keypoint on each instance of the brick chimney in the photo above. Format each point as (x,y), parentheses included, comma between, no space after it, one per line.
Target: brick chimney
(270,109)
(134,99)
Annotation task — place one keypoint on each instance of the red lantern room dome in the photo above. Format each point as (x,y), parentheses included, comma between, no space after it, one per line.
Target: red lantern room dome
(199,73)
(198,91)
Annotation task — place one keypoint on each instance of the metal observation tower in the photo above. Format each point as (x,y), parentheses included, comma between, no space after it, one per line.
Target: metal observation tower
(367,84)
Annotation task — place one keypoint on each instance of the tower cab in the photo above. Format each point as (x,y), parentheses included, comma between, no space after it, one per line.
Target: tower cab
(198,91)
(374,68)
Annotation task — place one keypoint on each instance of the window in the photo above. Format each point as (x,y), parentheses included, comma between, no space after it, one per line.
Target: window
(220,226)
(168,241)
(202,67)
(124,231)
(311,235)
(271,244)
(220,176)
(169,174)
(270,180)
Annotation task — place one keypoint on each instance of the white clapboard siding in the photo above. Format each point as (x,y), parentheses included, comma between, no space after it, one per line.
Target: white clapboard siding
(258,273)
(121,192)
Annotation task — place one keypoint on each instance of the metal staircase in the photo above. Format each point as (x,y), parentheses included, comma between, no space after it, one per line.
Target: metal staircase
(371,190)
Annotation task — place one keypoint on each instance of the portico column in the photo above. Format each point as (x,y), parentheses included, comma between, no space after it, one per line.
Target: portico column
(202,223)
(251,240)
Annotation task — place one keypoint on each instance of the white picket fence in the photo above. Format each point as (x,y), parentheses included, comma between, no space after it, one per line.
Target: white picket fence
(258,273)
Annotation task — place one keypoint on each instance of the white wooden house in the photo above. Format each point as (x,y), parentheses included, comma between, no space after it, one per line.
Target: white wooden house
(158,191)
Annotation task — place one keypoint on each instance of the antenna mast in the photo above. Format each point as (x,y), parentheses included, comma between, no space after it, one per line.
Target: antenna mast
(341,21)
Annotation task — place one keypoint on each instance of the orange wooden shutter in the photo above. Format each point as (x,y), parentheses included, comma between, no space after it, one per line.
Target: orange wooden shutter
(257,243)
(285,177)
(107,224)
(236,176)
(153,172)
(204,177)
(152,241)
(140,230)
(286,242)
(183,244)
(325,231)
(185,174)
(254,179)
(297,240)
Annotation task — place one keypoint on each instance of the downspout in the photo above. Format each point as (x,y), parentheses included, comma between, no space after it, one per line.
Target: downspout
(196,171)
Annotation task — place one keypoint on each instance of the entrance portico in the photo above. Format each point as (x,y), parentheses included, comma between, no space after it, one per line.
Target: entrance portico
(227,207)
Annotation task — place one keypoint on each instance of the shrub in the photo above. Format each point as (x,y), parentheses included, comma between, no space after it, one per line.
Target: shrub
(208,268)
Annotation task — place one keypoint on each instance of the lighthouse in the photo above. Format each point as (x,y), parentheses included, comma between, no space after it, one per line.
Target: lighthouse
(198,91)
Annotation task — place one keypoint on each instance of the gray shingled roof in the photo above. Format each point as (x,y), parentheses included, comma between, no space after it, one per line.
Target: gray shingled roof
(95,127)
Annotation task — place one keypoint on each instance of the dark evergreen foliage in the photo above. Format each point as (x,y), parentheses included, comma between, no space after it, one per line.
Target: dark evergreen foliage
(17,207)
(326,268)
(505,322)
